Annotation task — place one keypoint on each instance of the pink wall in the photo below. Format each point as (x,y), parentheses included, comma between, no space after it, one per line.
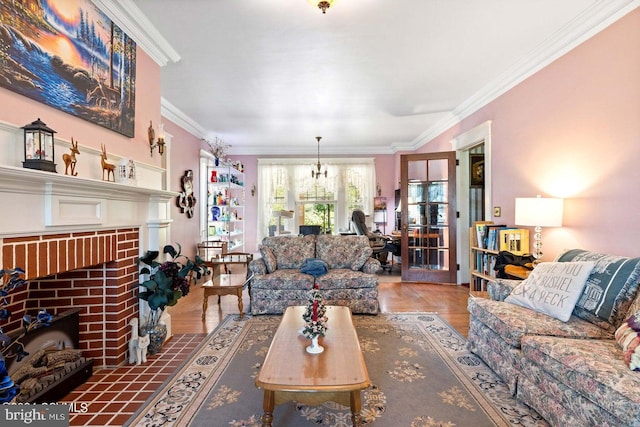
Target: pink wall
(572,130)
(185,154)
(20,110)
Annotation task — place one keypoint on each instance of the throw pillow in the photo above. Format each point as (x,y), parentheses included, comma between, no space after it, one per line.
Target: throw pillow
(628,337)
(361,258)
(269,259)
(552,288)
(610,289)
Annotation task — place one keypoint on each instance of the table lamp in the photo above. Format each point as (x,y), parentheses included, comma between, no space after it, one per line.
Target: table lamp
(538,212)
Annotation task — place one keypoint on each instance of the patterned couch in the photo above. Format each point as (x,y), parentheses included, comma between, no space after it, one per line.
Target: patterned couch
(350,280)
(574,372)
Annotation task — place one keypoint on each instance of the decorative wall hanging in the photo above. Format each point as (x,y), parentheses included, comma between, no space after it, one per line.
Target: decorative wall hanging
(186,200)
(476,171)
(69,159)
(70,56)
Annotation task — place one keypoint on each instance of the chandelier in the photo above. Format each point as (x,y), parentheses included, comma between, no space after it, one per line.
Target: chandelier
(322,4)
(316,173)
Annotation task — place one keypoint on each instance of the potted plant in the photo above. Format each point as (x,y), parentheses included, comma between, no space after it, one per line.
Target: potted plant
(168,281)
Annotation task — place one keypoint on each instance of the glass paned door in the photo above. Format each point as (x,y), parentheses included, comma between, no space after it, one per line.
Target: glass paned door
(428,217)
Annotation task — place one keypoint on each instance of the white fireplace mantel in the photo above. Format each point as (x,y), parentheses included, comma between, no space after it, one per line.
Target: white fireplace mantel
(38,202)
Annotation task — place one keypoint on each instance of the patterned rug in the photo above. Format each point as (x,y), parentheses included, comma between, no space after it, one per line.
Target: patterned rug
(421,375)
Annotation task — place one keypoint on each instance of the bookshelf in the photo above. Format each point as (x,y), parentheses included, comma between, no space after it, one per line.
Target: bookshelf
(486,241)
(225,206)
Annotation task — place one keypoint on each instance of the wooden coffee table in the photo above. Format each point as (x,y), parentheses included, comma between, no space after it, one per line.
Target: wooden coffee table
(290,373)
(225,284)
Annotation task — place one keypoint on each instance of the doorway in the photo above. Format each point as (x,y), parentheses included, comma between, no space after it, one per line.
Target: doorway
(428,217)
(473,142)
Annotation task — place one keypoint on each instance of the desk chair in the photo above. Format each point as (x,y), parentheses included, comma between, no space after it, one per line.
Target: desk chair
(376,241)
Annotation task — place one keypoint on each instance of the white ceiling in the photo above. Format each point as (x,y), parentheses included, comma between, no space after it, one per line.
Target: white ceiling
(369,76)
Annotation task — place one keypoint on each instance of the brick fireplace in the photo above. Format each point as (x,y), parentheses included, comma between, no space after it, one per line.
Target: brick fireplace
(78,242)
(94,271)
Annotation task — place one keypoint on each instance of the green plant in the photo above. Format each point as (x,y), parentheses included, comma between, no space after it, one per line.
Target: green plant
(168,281)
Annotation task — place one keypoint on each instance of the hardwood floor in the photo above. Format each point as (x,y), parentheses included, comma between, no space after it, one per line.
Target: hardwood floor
(394,295)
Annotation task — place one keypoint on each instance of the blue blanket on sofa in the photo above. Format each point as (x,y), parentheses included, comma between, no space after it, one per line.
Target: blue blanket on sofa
(315,267)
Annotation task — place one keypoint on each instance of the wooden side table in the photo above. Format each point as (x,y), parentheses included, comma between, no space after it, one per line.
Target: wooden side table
(209,249)
(225,284)
(224,260)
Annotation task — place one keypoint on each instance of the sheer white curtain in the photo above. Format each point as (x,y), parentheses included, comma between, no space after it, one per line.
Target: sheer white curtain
(270,177)
(295,176)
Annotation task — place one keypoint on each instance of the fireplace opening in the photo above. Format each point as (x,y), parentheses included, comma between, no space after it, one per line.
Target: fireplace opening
(54,363)
(94,272)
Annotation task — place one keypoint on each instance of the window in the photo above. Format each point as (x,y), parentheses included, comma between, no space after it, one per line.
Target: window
(287,184)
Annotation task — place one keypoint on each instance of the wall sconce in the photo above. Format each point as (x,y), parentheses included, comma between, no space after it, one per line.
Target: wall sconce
(38,147)
(253,190)
(152,138)
(379,189)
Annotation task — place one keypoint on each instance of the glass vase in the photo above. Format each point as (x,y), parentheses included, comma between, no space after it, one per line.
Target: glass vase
(157,336)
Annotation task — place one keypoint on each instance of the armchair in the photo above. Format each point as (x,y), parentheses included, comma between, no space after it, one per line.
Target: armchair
(377,241)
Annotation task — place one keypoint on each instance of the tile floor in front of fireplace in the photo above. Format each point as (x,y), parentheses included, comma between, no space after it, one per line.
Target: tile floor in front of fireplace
(112,396)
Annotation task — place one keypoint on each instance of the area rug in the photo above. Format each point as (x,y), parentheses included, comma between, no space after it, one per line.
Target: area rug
(421,375)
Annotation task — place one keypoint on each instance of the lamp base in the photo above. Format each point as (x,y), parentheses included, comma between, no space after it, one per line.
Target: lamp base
(537,245)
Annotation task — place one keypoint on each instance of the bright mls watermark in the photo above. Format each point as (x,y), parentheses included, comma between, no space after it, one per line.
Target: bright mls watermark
(45,415)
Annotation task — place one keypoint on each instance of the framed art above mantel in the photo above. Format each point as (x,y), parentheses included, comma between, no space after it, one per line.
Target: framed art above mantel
(70,56)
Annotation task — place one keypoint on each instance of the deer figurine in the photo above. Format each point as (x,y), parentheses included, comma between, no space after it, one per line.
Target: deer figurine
(108,167)
(70,159)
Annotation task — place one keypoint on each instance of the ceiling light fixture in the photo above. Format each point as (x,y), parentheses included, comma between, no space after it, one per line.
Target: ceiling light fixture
(322,5)
(316,173)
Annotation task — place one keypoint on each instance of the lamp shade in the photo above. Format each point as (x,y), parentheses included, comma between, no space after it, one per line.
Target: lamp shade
(539,211)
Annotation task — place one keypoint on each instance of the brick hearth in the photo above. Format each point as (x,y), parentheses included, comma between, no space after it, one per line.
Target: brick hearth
(92,270)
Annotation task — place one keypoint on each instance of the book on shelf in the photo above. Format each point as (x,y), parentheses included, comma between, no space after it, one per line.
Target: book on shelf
(481,233)
(492,236)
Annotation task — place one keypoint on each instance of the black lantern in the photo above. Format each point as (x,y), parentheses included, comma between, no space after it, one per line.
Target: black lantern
(38,147)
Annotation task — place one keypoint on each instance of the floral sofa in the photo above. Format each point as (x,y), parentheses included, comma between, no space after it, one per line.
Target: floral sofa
(350,279)
(573,372)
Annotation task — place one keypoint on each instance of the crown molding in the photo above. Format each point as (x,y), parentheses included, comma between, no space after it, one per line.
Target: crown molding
(591,21)
(137,26)
(171,112)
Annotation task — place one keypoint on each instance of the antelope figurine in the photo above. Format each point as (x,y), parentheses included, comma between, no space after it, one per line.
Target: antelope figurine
(109,167)
(70,159)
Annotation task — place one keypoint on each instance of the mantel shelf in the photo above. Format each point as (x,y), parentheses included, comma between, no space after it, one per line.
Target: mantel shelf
(30,181)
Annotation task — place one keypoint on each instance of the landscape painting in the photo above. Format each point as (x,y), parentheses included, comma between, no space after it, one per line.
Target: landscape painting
(68,54)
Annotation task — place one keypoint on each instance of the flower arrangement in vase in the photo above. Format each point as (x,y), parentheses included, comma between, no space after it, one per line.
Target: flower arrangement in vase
(315,321)
(219,149)
(167,283)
